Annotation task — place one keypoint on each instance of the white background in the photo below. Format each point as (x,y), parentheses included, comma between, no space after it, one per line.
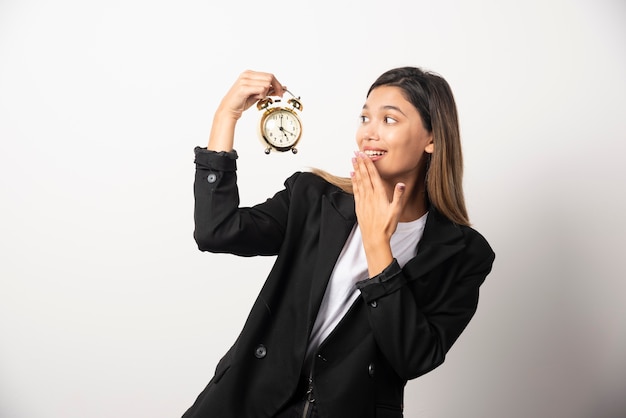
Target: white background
(107,308)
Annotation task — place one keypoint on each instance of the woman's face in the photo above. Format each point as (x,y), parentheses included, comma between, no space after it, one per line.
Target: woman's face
(391,133)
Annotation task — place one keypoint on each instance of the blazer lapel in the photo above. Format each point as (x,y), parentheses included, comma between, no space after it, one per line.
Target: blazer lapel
(440,241)
(337,220)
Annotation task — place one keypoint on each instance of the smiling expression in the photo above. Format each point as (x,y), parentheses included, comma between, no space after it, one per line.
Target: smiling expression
(392,134)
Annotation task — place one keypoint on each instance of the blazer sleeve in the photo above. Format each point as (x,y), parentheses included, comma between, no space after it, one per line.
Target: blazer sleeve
(221,226)
(415,321)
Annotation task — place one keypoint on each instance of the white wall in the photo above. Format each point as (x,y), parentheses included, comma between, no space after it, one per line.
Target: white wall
(107,309)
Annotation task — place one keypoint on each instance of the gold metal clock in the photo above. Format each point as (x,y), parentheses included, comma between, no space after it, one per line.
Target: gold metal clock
(281,126)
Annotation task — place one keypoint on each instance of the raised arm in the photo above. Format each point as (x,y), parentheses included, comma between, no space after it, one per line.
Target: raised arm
(250,87)
(220,224)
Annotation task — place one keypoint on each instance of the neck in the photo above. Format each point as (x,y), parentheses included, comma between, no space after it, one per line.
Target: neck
(415,206)
(415,203)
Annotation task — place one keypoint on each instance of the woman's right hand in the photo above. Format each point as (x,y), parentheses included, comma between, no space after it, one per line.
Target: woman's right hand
(250,87)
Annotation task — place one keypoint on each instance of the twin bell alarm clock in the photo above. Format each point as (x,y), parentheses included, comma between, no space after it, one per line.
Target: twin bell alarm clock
(280,127)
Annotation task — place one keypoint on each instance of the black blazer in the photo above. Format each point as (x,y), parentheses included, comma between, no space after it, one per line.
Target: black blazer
(401,327)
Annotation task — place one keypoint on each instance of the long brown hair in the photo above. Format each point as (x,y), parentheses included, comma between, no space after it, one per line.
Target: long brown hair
(432,97)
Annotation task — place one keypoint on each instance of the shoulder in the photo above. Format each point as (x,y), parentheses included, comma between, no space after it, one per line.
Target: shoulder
(439,229)
(306,181)
(309,192)
(476,243)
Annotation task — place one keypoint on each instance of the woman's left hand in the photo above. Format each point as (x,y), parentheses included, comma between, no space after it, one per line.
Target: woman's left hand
(377,215)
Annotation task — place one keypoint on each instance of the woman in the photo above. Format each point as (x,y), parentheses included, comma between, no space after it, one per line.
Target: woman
(376,276)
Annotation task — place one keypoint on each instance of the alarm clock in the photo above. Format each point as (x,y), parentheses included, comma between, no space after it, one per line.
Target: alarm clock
(280,127)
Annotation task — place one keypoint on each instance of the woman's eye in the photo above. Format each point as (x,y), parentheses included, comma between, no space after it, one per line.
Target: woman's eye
(363,119)
(389,120)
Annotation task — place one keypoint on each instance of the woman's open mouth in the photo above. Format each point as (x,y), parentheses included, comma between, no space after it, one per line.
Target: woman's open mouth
(374,154)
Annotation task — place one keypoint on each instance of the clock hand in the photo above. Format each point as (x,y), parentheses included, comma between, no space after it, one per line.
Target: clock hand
(283,130)
(280,128)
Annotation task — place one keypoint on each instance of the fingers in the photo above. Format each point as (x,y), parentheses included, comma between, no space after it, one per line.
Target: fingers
(377,208)
(365,171)
(250,87)
(260,84)
(399,197)
(368,185)
(276,89)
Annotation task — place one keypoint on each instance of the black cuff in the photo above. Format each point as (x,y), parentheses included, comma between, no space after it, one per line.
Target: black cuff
(213,160)
(387,281)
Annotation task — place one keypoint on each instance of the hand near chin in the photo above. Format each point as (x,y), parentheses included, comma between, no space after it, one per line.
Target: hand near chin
(377,212)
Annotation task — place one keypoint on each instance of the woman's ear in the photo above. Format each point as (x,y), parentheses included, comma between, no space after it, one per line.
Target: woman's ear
(430,147)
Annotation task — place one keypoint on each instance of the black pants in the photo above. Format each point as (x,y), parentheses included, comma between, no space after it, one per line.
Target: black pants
(297,410)
(302,404)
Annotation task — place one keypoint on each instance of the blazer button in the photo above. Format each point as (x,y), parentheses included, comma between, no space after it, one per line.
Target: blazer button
(371,369)
(260,351)
(373,304)
(211,178)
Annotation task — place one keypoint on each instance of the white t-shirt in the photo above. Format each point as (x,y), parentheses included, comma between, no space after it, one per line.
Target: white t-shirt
(351,267)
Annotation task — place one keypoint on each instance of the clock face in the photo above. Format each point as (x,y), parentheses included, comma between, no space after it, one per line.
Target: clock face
(281,129)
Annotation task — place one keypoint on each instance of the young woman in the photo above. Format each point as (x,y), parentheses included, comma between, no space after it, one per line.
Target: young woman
(376,275)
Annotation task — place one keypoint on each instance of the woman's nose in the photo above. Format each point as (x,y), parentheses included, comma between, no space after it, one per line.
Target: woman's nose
(370,133)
